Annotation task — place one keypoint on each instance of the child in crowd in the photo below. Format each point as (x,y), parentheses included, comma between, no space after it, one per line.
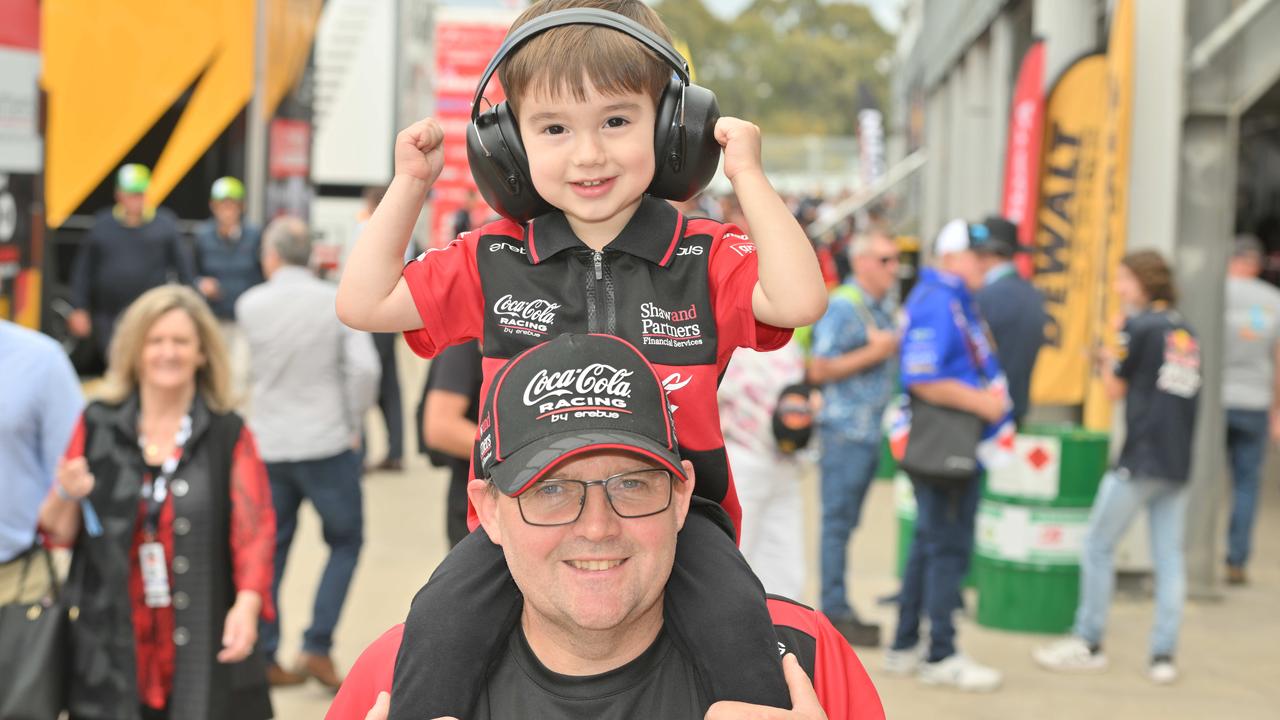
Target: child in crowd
(604,257)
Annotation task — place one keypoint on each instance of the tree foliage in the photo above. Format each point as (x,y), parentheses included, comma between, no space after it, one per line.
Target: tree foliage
(791,66)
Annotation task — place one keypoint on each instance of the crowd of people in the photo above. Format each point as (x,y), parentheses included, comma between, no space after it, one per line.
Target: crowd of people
(686,357)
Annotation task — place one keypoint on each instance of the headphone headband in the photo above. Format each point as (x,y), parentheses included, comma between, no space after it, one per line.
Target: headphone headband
(580,16)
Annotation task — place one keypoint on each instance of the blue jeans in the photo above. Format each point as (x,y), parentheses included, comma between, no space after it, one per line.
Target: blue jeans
(1120,497)
(848,467)
(1247,432)
(333,487)
(937,564)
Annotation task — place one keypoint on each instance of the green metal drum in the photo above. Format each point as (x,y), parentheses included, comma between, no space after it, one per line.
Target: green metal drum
(1031,527)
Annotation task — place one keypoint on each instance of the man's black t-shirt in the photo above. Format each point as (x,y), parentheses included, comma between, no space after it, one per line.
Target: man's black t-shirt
(1161,363)
(661,683)
(455,370)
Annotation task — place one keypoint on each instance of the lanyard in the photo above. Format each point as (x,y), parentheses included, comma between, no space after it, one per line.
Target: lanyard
(966,329)
(156,491)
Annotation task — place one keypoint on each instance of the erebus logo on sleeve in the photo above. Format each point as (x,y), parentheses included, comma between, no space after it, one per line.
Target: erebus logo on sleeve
(533,318)
(597,390)
(743,246)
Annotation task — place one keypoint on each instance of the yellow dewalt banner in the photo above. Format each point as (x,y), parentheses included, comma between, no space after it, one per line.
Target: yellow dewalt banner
(111,68)
(1115,189)
(1068,232)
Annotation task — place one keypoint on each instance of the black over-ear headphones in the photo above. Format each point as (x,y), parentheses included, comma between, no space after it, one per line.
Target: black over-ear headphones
(684,142)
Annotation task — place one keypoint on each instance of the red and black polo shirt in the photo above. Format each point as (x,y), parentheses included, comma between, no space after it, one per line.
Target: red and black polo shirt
(677,288)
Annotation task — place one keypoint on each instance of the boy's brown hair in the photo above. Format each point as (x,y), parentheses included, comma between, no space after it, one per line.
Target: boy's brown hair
(1153,274)
(571,58)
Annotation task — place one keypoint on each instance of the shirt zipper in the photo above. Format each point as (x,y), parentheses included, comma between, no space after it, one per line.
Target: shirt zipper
(601,313)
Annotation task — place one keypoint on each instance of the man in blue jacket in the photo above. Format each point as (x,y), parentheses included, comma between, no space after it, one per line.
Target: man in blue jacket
(946,361)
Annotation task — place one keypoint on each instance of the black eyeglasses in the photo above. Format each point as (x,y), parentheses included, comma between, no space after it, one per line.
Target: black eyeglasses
(632,494)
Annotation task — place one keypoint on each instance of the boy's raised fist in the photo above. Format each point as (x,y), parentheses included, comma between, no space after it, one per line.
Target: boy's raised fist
(741,142)
(420,150)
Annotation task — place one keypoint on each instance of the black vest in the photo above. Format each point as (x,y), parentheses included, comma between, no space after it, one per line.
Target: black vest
(102,656)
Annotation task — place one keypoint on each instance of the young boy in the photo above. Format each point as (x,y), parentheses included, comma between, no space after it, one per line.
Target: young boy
(609,259)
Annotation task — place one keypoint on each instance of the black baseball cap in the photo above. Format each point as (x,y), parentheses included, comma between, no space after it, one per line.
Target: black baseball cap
(996,236)
(568,396)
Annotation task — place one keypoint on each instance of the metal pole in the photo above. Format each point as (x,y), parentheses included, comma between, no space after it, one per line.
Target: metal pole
(256,137)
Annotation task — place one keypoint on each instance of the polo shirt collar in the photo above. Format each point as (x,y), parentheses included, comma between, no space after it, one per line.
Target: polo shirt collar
(290,274)
(651,234)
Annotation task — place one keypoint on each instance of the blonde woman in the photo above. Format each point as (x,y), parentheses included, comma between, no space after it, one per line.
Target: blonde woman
(166,503)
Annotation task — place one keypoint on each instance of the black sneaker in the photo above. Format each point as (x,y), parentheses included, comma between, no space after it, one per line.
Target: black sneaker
(858,633)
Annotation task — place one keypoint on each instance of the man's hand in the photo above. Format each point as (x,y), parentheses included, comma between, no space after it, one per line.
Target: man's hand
(1274,425)
(804,701)
(994,405)
(73,478)
(209,287)
(78,323)
(741,142)
(419,151)
(382,706)
(882,343)
(240,631)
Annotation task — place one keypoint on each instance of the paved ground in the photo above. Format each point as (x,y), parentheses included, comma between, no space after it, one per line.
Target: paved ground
(1228,656)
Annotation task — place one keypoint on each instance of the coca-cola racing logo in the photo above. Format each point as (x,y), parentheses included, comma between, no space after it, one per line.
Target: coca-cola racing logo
(670,328)
(532,318)
(596,390)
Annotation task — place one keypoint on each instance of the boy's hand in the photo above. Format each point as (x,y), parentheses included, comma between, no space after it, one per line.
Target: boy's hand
(419,151)
(741,142)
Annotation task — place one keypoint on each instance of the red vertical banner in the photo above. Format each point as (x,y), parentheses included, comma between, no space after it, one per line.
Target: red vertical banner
(463,50)
(1022,156)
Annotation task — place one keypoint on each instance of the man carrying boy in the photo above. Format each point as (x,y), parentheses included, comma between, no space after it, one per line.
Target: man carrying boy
(607,258)
(592,643)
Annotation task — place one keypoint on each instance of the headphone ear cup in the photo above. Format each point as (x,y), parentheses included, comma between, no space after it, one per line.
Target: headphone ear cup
(500,166)
(685,158)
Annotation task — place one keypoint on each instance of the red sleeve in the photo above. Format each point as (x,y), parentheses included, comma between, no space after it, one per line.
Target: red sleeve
(253,523)
(445,285)
(370,675)
(75,448)
(733,272)
(843,686)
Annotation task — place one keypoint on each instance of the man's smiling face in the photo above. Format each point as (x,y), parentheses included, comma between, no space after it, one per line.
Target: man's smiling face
(601,572)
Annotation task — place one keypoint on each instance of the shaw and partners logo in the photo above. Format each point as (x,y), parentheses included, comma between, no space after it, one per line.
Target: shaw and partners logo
(671,328)
(597,390)
(525,317)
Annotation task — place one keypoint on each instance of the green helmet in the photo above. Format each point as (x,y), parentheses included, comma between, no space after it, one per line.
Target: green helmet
(133,178)
(227,188)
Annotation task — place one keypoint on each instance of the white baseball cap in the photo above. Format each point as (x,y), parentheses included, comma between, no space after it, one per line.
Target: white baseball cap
(953,238)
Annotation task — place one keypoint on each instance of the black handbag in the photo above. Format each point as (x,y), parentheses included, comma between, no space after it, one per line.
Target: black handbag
(32,650)
(942,445)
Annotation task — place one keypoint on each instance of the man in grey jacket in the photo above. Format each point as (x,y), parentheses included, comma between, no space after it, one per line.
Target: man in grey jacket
(313,380)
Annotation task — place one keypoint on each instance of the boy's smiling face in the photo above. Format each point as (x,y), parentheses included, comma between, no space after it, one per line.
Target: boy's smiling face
(592,158)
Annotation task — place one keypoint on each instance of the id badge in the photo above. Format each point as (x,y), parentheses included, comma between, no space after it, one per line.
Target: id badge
(155,575)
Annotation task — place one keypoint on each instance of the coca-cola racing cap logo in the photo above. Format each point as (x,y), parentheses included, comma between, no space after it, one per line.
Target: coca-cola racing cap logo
(567,396)
(597,386)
